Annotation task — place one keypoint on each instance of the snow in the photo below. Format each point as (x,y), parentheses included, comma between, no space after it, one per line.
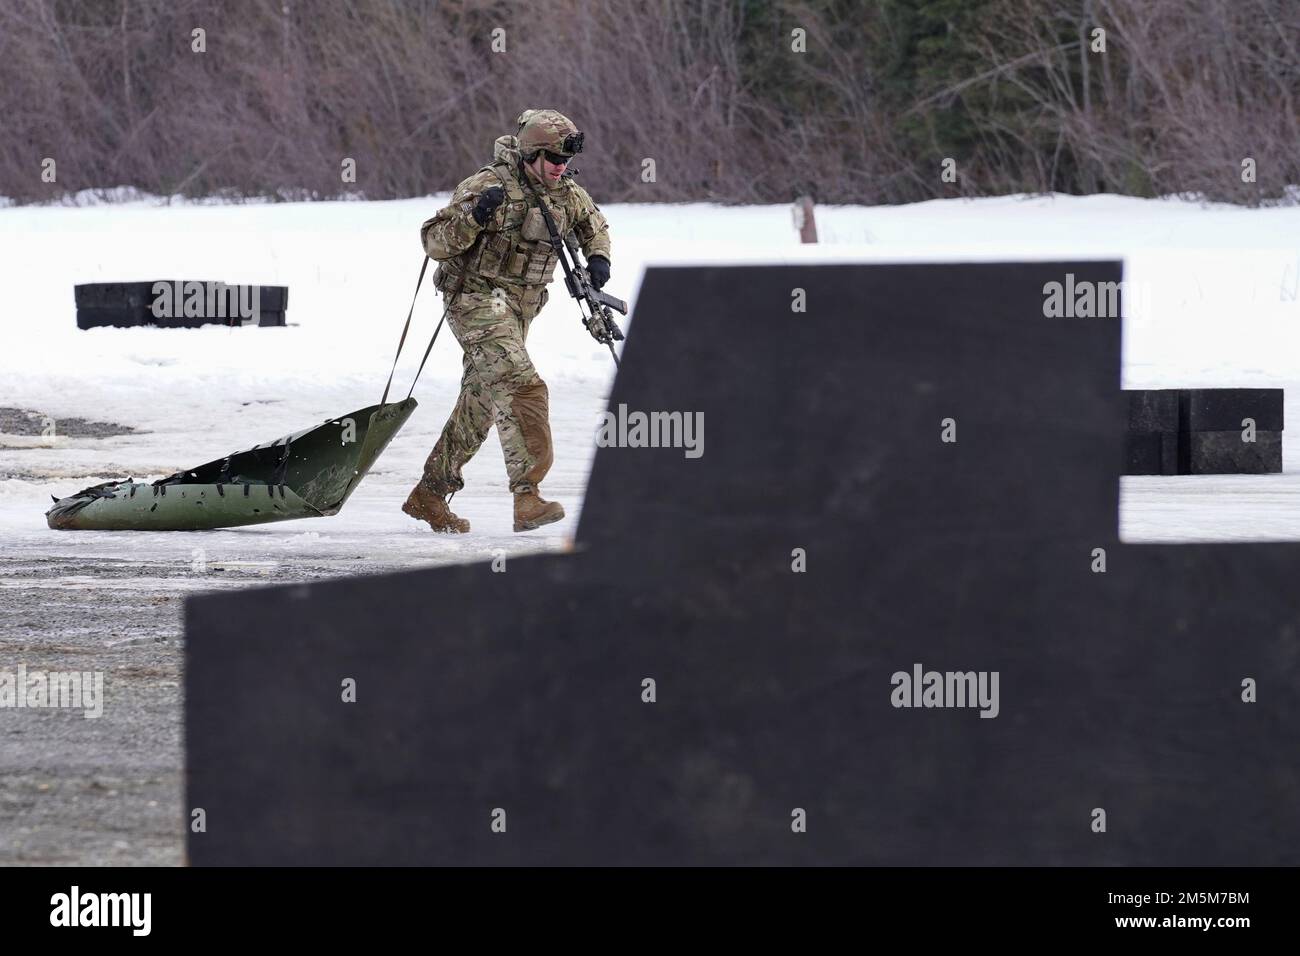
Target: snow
(1213,291)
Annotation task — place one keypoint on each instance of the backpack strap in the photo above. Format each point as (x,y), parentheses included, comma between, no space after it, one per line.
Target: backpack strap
(508,182)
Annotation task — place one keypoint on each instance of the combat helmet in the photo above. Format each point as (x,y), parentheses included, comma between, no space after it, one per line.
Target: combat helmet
(548,130)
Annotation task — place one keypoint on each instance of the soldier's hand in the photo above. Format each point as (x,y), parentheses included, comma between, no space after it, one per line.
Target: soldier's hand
(596,326)
(598,269)
(487,204)
(603,329)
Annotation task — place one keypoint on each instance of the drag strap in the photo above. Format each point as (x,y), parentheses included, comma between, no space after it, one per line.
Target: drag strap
(459,287)
(406,328)
(455,297)
(426,353)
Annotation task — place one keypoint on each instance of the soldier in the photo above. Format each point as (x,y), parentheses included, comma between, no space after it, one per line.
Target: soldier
(495,261)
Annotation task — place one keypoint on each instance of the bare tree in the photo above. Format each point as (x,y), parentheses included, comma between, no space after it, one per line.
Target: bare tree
(681,99)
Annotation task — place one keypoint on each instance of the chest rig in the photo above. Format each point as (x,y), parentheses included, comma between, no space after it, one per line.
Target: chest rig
(517,251)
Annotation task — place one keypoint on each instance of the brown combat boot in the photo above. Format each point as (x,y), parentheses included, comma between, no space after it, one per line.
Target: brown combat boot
(531,511)
(424,504)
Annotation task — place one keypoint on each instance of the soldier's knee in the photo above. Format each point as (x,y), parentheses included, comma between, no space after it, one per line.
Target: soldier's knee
(534,397)
(503,363)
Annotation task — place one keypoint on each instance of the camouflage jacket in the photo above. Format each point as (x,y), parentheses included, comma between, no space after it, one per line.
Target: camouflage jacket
(514,248)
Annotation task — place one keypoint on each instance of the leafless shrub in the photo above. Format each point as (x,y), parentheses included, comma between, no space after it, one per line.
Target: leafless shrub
(415,91)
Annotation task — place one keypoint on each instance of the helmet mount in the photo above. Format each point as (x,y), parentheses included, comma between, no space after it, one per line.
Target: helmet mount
(548,131)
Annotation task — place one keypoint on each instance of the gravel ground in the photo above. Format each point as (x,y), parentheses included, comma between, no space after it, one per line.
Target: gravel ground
(107,790)
(22,421)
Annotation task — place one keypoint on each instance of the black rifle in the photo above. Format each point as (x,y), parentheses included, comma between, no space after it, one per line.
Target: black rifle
(596,317)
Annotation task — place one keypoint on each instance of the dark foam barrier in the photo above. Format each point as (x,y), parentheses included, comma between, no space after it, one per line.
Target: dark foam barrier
(1151,441)
(188,304)
(1204,431)
(522,691)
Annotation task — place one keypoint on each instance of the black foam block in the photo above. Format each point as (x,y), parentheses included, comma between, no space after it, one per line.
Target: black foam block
(1151,453)
(96,317)
(1200,431)
(123,317)
(126,304)
(92,317)
(1151,442)
(1152,410)
(521,690)
(1228,453)
(1213,431)
(273,298)
(114,295)
(1224,409)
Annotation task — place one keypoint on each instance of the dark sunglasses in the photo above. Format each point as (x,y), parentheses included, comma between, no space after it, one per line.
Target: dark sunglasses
(555,158)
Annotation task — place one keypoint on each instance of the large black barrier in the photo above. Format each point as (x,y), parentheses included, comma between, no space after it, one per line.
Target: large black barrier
(519,698)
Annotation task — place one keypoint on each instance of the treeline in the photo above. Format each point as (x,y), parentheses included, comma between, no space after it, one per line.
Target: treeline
(740,101)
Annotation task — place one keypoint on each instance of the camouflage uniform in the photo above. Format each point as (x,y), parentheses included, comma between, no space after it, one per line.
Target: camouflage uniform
(505,267)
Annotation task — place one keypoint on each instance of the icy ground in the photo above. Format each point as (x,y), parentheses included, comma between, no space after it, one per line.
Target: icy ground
(1213,297)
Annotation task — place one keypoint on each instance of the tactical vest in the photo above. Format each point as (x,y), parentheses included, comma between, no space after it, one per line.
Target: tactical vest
(518,252)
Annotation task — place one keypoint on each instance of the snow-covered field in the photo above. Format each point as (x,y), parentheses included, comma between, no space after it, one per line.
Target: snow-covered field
(1213,293)
(1213,296)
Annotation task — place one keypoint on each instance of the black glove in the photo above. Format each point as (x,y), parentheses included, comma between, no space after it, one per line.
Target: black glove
(487,204)
(598,269)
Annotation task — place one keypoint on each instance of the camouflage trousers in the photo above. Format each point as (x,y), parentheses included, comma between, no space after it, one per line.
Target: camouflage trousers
(499,387)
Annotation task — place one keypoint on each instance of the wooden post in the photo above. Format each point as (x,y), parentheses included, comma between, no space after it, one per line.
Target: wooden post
(804,220)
